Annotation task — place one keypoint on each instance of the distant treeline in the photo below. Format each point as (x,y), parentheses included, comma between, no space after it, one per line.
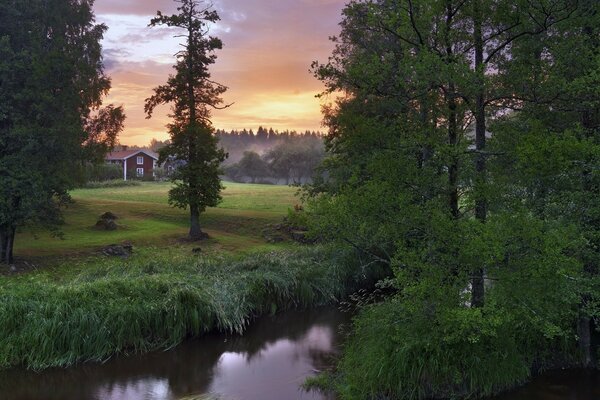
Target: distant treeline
(270,156)
(293,161)
(265,155)
(238,142)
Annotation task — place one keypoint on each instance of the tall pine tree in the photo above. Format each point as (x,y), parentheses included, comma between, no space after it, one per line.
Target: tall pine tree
(193,95)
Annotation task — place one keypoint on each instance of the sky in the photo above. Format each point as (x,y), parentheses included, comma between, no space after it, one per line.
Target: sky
(265,61)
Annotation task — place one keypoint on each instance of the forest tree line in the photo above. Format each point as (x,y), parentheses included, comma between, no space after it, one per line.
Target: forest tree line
(267,155)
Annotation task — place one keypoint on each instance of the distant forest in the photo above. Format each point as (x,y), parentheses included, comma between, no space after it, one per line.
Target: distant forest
(266,156)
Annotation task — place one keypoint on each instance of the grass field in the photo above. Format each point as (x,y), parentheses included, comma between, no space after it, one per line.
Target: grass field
(146,219)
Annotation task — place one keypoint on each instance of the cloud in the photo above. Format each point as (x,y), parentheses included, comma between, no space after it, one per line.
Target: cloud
(268,48)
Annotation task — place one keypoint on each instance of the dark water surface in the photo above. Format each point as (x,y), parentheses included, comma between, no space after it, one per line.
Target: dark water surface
(268,363)
(559,385)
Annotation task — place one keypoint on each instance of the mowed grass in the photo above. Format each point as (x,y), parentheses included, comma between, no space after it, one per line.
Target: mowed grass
(146,219)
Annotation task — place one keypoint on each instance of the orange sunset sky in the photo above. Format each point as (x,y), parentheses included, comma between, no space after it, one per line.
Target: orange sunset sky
(268,48)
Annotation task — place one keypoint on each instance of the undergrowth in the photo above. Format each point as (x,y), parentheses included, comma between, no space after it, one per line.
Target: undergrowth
(52,320)
(465,354)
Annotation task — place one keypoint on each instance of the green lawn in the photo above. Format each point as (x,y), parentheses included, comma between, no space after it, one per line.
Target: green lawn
(146,219)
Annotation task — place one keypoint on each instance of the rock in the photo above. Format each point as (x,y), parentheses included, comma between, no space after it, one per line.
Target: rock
(107,222)
(13,269)
(275,239)
(117,250)
(300,236)
(106,225)
(108,215)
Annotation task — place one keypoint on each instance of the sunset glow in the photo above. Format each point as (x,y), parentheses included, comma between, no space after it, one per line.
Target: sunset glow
(268,48)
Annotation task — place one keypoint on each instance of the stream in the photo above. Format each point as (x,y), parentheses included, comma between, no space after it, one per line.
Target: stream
(269,362)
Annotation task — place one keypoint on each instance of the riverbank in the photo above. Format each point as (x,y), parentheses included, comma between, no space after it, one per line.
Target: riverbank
(268,362)
(91,312)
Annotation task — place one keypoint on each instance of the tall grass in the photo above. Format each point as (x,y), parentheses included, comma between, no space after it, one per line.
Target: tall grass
(50,320)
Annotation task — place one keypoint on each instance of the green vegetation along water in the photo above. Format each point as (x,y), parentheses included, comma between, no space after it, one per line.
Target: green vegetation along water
(49,319)
(269,362)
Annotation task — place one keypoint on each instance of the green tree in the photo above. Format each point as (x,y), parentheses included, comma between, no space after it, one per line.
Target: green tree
(193,95)
(253,165)
(51,89)
(409,185)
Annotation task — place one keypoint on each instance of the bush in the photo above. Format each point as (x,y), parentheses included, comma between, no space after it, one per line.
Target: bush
(457,353)
(111,184)
(102,172)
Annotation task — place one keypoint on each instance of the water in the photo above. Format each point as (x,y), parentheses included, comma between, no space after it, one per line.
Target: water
(269,362)
(559,385)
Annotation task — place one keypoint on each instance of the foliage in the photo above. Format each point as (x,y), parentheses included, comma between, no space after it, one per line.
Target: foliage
(236,142)
(193,95)
(51,89)
(295,160)
(463,153)
(137,306)
(99,172)
(251,165)
(113,183)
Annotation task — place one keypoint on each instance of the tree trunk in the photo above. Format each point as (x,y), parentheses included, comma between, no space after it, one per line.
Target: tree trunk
(11,245)
(3,237)
(477,282)
(195,231)
(7,240)
(585,340)
(452,122)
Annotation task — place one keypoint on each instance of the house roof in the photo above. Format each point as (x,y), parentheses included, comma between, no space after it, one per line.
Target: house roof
(124,155)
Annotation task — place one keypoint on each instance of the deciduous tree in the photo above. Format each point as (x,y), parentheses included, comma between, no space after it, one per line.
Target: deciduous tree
(51,89)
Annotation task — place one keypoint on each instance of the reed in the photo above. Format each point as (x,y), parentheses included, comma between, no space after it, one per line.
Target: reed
(155,302)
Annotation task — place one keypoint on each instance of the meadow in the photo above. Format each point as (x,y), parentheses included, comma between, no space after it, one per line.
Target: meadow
(146,219)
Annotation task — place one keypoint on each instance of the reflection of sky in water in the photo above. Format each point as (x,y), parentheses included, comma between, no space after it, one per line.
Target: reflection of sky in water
(276,372)
(143,389)
(269,362)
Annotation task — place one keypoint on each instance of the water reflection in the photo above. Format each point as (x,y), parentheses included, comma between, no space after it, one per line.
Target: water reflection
(559,385)
(269,362)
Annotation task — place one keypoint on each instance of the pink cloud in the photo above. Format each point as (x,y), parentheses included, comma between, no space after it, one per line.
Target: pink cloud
(268,48)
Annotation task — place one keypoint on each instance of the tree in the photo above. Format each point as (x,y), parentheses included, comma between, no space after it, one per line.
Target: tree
(193,95)
(51,89)
(253,165)
(408,187)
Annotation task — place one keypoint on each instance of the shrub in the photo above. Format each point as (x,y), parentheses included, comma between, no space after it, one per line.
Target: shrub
(102,172)
(111,184)
(407,354)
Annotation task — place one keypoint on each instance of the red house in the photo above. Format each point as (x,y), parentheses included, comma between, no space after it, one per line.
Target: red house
(135,163)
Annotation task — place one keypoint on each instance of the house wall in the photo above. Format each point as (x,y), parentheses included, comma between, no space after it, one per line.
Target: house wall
(132,166)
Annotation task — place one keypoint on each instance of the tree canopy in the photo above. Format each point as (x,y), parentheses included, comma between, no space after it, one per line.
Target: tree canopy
(461,125)
(51,88)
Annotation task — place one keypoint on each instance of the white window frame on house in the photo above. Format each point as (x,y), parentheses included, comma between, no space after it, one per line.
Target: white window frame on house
(140,171)
(140,160)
